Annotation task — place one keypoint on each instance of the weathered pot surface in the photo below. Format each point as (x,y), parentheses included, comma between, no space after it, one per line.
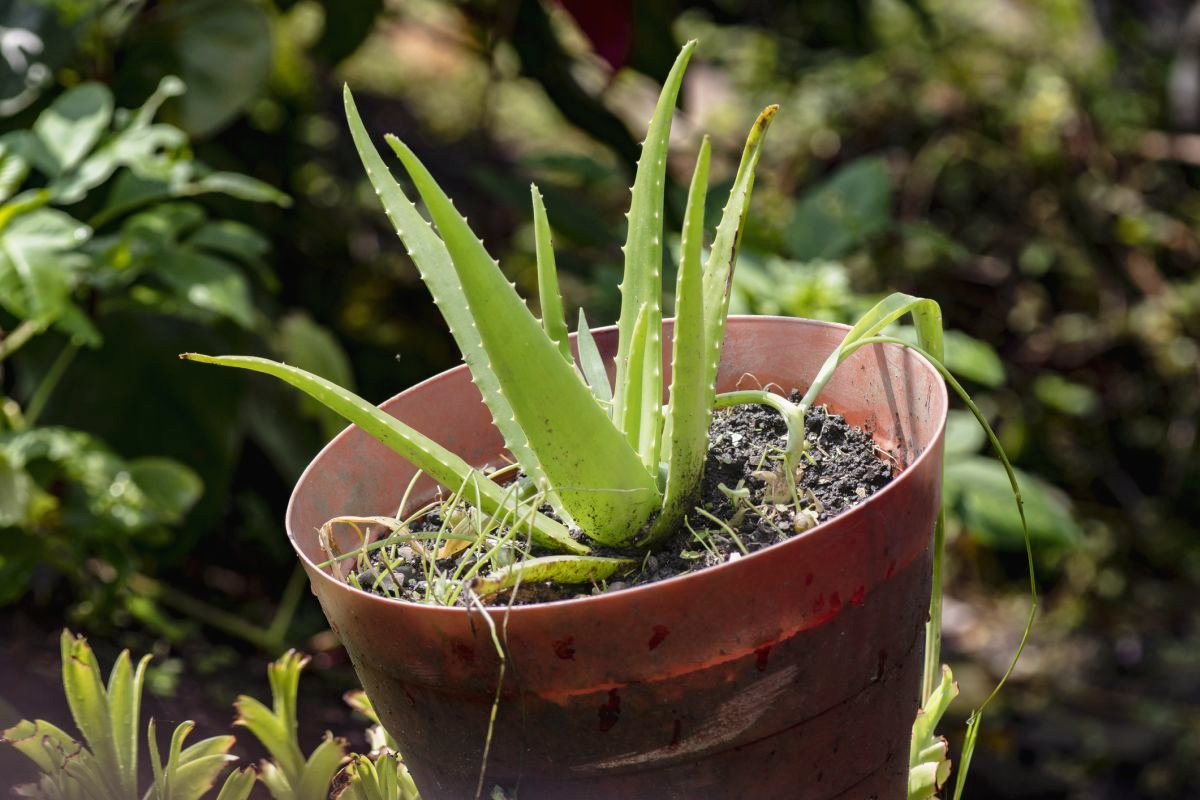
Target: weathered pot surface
(793,672)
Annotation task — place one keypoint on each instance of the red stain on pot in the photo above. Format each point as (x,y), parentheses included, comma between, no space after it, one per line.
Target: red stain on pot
(760,657)
(565,648)
(610,712)
(808,579)
(463,652)
(891,570)
(860,593)
(656,638)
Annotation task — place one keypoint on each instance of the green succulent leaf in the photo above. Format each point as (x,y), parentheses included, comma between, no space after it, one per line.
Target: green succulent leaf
(238,785)
(641,286)
(439,463)
(688,408)
(592,364)
(722,257)
(437,271)
(561,569)
(549,297)
(588,463)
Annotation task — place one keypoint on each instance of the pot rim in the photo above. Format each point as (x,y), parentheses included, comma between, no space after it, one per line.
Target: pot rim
(826,528)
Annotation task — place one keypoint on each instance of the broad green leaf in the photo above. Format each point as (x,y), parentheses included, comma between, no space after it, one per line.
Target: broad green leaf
(586,459)
(38,267)
(170,488)
(436,461)
(641,285)
(221,49)
(978,488)
(963,437)
(688,406)
(73,123)
(207,283)
(310,347)
(592,364)
(561,569)
(549,298)
(722,257)
(237,185)
(271,731)
(839,215)
(13,170)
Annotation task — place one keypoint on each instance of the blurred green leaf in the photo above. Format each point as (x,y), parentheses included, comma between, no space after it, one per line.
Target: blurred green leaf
(1065,396)
(977,488)
(237,185)
(13,170)
(73,123)
(170,487)
(837,216)
(37,267)
(207,283)
(220,48)
(305,344)
(964,436)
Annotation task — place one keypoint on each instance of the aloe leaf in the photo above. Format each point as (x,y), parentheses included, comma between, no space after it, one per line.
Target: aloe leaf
(641,285)
(88,702)
(637,353)
(688,407)
(549,297)
(593,364)
(587,460)
(439,463)
(929,767)
(561,569)
(437,271)
(927,316)
(722,258)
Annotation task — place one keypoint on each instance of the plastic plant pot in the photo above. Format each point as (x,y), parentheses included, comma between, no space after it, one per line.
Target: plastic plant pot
(791,672)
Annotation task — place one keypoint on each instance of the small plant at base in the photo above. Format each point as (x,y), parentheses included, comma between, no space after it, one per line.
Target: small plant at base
(105,767)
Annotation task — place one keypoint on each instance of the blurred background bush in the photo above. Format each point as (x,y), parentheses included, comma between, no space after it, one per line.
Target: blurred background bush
(175,175)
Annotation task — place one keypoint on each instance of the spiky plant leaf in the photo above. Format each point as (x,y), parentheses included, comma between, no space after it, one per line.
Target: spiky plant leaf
(549,298)
(688,407)
(722,257)
(439,463)
(641,285)
(433,262)
(593,364)
(585,458)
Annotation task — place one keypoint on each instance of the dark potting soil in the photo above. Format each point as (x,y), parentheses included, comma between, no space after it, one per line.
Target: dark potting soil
(748,504)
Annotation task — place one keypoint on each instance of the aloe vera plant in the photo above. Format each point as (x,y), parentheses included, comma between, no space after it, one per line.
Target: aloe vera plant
(643,461)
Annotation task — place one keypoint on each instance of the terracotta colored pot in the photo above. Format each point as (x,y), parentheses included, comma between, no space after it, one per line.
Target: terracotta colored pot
(793,672)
